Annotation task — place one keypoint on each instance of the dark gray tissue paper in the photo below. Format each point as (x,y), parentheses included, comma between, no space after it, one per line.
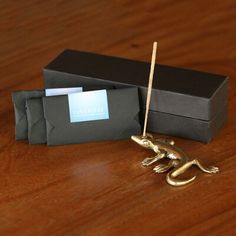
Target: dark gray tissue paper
(19,100)
(36,121)
(123,105)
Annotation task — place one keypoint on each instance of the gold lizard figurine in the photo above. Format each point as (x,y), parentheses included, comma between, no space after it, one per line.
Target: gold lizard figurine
(178,159)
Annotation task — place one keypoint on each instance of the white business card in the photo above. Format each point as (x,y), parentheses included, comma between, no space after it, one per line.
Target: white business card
(62,91)
(88,106)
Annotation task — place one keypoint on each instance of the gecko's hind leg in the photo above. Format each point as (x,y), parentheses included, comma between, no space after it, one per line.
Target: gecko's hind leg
(209,170)
(150,160)
(161,168)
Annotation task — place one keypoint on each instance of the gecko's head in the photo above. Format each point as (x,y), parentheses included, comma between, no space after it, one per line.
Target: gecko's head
(144,141)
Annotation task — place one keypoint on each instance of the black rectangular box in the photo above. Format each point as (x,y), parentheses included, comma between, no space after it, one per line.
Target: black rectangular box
(184,102)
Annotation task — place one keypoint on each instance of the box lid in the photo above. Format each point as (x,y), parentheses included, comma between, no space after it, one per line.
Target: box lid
(176,91)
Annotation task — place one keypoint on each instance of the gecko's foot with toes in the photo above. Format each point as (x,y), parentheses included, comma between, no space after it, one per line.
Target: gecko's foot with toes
(161,168)
(213,169)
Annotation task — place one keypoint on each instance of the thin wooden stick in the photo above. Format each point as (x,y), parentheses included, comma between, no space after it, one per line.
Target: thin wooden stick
(149,93)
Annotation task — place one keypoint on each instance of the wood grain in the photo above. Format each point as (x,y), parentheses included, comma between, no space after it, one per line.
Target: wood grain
(100,188)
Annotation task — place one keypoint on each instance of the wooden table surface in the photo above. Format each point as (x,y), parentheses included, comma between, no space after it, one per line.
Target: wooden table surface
(101,188)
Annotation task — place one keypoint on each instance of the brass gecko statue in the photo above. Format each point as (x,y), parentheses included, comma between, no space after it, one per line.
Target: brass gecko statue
(178,159)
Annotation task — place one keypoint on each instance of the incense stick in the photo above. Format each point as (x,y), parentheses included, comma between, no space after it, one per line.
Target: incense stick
(149,93)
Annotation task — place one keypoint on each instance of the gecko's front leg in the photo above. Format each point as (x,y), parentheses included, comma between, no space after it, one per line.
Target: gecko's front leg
(150,160)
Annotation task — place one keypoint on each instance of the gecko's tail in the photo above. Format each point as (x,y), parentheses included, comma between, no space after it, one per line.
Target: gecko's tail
(176,182)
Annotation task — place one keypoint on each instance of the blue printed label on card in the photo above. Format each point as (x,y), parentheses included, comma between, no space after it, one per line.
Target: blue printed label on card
(88,106)
(62,91)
